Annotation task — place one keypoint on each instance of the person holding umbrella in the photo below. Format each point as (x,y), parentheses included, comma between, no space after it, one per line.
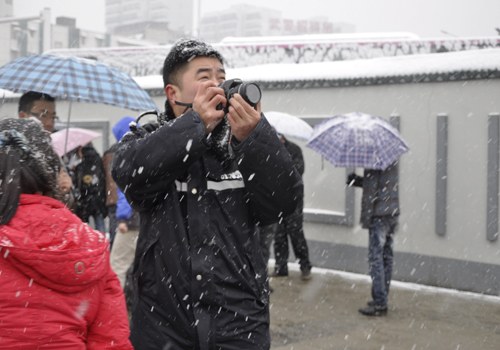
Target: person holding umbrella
(39,105)
(290,226)
(360,140)
(379,214)
(43,107)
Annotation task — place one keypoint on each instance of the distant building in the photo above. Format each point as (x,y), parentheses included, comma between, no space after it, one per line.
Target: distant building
(6,37)
(65,34)
(238,20)
(33,35)
(161,21)
(252,21)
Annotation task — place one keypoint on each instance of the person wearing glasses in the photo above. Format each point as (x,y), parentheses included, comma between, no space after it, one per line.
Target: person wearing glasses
(43,107)
(39,105)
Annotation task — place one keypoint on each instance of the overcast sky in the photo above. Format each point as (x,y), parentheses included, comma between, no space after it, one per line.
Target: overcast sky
(426,18)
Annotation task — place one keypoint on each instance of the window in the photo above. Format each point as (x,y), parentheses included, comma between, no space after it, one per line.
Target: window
(255,15)
(14,54)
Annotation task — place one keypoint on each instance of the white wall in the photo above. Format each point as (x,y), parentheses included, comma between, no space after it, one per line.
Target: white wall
(467,105)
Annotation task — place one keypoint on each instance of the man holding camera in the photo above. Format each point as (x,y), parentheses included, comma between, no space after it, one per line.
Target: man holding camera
(202,181)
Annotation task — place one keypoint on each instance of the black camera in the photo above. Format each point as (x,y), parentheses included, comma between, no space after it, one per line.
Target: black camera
(249,91)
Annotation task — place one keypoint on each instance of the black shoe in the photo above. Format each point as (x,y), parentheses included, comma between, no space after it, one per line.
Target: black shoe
(306,274)
(375,310)
(370,303)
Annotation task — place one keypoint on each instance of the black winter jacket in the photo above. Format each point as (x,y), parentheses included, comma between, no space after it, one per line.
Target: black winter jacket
(296,154)
(89,180)
(199,274)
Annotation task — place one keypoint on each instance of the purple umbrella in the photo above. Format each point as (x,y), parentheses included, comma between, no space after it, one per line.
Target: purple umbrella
(358,140)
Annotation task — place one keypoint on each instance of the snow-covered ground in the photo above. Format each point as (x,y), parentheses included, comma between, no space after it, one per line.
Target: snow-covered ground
(395,284)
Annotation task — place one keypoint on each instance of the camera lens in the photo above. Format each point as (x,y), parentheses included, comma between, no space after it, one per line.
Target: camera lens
(251,93)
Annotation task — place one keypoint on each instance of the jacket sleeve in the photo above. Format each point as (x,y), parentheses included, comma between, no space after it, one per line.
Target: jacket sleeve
(123,209)
(110,329)
(144,167)
(274,186)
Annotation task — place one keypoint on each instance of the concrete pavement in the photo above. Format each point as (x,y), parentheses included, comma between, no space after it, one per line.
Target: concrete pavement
(322,314)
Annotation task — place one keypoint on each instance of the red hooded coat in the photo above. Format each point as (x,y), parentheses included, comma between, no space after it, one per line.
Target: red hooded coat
(57,290)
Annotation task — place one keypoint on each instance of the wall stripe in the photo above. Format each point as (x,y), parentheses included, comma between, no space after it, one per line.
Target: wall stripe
(345,219)
(492,191)
(395,121)
(441,172)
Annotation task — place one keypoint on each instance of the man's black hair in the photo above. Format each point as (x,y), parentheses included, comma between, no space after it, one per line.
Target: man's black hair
(181,54)
(28,99)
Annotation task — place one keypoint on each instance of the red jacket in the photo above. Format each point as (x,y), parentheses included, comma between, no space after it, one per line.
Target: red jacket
(57,290)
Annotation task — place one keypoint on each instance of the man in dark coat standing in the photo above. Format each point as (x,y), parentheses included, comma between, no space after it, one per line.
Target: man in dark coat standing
(290,226)
(379,214)
(201,183)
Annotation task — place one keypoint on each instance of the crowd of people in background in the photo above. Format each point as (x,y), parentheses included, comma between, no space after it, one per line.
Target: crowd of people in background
(182,230)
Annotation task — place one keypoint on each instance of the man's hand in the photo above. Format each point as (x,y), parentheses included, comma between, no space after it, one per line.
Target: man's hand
(205,103)
(354,180)
(64,182)
(242,117)
(122,227)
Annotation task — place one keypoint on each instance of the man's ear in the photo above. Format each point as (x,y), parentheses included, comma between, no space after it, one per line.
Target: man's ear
(23,114)
(171,91)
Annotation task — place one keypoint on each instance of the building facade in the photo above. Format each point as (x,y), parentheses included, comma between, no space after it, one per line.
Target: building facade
(33,35)
(251,21)
(124,17)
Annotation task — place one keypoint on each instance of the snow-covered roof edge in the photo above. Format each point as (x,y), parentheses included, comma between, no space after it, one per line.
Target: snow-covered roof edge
(246,52)
(451,66)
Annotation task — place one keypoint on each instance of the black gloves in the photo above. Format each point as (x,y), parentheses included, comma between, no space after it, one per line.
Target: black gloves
(354,180)
(150,127)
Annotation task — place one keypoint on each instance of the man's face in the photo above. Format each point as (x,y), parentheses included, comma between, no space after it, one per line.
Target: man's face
(45,111)
(199,70)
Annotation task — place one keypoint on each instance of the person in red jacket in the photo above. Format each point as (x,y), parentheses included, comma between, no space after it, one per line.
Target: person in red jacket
(57,288)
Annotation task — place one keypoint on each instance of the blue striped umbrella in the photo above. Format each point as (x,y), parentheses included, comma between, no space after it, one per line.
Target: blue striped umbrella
(74,79)
(358,140)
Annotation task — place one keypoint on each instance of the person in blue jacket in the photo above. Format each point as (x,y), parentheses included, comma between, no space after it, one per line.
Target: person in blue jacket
(120,129)
(128,222)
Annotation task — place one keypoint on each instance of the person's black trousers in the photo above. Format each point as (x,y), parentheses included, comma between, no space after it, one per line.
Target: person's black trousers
(291,226)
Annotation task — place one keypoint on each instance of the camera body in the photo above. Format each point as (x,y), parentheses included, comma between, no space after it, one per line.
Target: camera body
(249,91)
